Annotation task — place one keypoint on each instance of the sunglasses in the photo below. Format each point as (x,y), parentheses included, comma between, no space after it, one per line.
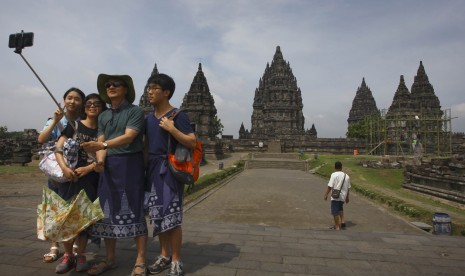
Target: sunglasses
(96,104)
(114,84)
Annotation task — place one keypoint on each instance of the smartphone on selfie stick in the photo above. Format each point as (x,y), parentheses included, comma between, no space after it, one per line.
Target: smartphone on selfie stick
(21,40)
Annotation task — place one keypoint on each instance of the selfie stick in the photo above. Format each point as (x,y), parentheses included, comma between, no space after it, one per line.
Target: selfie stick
(18,51)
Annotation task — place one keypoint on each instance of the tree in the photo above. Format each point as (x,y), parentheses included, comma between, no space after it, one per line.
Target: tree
(217,126)
(357,130)
(3,131)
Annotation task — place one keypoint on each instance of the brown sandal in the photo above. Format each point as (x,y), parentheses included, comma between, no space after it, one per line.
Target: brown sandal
(98,268)
(143,266)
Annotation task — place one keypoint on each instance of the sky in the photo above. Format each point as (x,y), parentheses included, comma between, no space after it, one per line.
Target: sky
(330,45)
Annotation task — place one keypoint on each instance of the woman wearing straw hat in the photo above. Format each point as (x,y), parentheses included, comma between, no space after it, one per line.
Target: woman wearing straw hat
(119,151)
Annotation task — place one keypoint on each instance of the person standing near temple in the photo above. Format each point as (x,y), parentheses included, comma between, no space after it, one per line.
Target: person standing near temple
(165,200)
(120,160)
(82,177)
(73,107)
(341,181)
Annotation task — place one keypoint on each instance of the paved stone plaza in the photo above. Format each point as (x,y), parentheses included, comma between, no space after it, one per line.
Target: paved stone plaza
(263,222)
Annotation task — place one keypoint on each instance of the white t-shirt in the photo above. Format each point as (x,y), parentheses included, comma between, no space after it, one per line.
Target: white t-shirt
(336,181)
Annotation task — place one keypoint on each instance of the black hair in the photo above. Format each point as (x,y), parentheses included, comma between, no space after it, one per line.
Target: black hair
(91,96)
(77,90)
(81,94)
(166,82)
(338,165)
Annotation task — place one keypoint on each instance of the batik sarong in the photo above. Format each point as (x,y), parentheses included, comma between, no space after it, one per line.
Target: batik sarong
(121,194)
(164,197)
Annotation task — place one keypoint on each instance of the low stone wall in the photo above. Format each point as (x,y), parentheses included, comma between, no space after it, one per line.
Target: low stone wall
(441,177)
(316,145)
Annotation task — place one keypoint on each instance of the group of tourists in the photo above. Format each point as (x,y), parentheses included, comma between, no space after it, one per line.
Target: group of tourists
(122,162)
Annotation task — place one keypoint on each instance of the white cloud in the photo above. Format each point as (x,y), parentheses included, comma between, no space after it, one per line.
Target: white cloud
(330,45)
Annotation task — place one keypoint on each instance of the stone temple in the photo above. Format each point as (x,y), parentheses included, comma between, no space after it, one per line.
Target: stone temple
(363,104)
(277,116)
(199,104)
(277,106)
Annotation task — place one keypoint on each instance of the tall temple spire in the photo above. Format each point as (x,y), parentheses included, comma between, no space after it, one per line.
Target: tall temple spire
(363,104)
(278,56)
(364,85)
(277,106)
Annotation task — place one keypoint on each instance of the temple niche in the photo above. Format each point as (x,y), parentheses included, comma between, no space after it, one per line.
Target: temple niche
(363,105)
(277,107)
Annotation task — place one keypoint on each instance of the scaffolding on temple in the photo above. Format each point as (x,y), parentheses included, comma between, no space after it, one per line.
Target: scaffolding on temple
(416,134)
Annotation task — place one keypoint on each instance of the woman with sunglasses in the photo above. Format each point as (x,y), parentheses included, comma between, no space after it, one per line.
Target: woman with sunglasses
(73,106)
(87,178)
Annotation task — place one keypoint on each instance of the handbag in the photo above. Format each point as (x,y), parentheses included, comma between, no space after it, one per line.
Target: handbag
(337,193)
(184,162)
(49,165)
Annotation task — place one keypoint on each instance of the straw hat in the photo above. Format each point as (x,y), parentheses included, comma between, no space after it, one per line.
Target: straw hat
(104,78)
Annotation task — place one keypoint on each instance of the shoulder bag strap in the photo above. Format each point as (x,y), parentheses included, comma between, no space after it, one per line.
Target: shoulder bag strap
(172,115)
(343,180)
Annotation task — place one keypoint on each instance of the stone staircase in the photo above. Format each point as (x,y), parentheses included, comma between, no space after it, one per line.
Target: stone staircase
(284,161)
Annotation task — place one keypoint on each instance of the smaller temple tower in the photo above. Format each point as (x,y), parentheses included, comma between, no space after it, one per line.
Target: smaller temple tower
(423,96)
(199,104)
(144,102)
(363,105)
(400,121)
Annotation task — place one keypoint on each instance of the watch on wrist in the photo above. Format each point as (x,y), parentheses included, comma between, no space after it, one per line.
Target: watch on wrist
(105,145)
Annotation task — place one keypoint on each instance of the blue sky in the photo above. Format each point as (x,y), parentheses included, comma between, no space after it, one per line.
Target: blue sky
(330,45)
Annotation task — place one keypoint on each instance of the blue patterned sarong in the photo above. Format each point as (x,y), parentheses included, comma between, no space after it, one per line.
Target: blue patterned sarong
(165,195)
(121,194)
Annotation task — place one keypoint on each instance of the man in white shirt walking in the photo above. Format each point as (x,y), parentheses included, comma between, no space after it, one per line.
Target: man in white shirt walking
(338,181)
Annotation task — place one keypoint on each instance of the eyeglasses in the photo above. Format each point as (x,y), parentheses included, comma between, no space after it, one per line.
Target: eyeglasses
(114,84)
(96,104)
(149,88)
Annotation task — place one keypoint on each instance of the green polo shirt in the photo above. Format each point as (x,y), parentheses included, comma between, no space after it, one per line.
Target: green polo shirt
(113,123)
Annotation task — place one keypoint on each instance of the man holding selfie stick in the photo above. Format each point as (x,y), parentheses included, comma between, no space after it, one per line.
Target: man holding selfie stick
(120,160)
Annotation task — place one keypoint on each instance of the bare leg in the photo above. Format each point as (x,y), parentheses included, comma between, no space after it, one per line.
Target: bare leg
(164,239)
(110,248)
(68,247)
(341,214)
(336,223)
(176,242)
(81,242)
(141,243)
